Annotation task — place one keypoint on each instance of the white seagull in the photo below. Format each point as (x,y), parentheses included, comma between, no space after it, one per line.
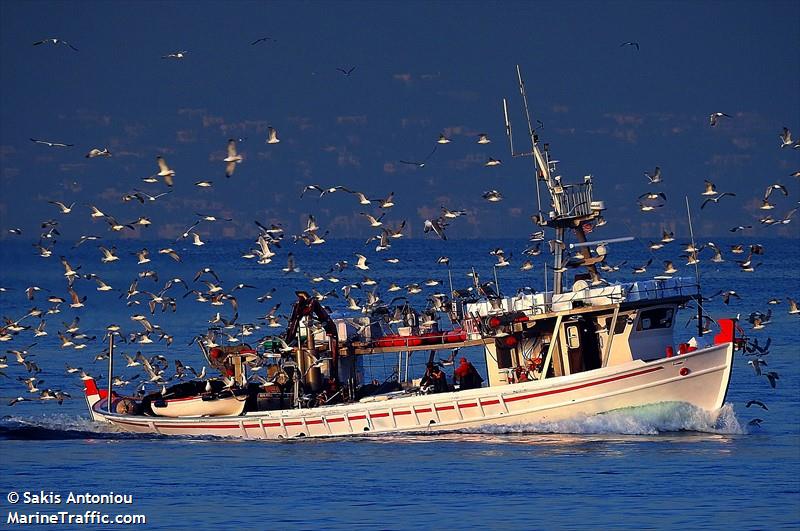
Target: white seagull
(64,208)
(55,41)
(362,262)
(180,54)
(714,117)
(232,159)
(786,139)
(51,144)
(655,177)
(95,152)
(165,171)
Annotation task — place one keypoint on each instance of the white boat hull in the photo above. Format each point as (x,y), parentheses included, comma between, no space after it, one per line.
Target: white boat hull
(699,378)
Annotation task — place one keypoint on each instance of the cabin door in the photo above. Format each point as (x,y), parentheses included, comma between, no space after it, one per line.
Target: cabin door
(583,346)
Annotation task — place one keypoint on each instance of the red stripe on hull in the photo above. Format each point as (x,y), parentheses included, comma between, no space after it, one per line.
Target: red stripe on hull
(574,387)
(210,426)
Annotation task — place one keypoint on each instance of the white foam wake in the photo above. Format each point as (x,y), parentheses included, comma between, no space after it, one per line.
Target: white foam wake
(56,422)
(643,420)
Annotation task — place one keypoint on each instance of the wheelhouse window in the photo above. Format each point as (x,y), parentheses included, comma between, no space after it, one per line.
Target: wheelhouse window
(656,319)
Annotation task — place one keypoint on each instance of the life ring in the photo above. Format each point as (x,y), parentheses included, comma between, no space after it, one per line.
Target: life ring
(215,353)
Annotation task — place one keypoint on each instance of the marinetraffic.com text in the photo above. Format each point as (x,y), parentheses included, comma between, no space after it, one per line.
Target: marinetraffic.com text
(39,508)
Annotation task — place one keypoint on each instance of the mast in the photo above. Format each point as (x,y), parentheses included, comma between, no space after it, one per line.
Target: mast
(110,368)
(697,273)
(573,206)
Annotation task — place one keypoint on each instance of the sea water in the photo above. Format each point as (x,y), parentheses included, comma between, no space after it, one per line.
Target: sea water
(660,466)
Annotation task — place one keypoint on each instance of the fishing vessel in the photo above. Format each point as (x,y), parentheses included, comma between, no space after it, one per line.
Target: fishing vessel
(584,347)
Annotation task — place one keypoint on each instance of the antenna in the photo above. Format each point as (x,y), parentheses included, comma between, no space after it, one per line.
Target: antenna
(450,277)
(696,273)
(525,102)
(538,161)
(508,128)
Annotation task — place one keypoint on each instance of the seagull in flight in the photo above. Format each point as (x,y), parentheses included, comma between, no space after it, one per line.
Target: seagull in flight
(771,188)
(51,144)
(346,72)
(362,262)
(655,177)
(232,159)
(95,152)
(711,188)
(421,164)
(141,196)
(211,217)
(758,403)
(786,139)
(492,196)
(272,136)
(165,171)
(630,43)
(54,41)
(714,117)
(64,208)
(642,268)
(180,54)
(437,226)
(716,199)
(262,39)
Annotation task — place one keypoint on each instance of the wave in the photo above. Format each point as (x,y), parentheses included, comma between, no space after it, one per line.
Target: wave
(57,427)
(653,419)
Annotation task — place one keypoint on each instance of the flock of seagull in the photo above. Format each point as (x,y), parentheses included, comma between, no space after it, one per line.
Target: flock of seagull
(207,287)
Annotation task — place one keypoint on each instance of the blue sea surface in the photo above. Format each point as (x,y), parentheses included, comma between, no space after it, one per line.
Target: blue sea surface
(663,466)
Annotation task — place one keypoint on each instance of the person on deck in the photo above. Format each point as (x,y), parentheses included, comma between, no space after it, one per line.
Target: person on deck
(439,380)
(435,378)
(467,375)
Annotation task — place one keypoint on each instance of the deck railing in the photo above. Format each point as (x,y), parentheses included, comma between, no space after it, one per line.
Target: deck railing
(574,200)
